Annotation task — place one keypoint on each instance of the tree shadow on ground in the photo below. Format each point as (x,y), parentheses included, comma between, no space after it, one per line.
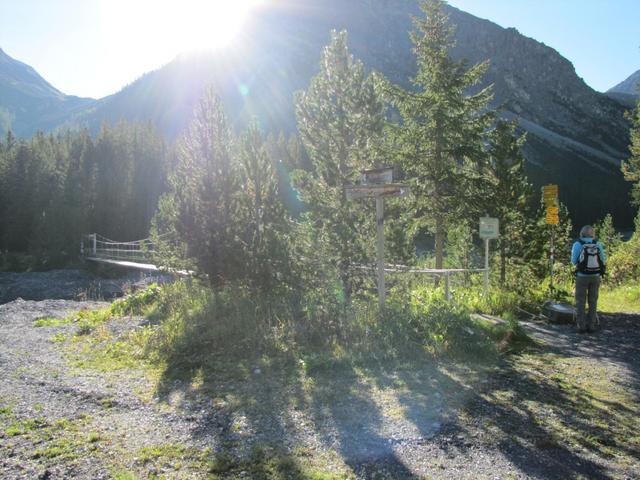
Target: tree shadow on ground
(310,421)
(539,416)
(281,419)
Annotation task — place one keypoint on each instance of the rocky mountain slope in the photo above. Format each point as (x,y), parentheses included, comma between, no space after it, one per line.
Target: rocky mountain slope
(627,92)
(576,136)
(28,103)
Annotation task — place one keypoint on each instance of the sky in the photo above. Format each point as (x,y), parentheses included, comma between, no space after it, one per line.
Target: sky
(93,48)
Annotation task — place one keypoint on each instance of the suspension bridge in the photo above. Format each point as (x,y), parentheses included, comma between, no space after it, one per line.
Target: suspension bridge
(137,254)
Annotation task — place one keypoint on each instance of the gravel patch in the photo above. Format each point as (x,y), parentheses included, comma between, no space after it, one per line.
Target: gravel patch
(71,285)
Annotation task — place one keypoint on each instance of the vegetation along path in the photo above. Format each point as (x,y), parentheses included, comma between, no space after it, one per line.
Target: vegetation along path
(565,408)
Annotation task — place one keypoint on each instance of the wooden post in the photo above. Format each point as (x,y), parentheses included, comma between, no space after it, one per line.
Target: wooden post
(551,259)
(376,183)
(447,291)
(94,244)
(486,267)
(380,249)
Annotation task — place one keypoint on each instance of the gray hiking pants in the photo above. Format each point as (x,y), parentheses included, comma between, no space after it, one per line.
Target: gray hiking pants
(587,289)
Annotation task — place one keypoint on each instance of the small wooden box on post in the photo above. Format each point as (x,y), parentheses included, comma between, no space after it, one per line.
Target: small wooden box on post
(378,183)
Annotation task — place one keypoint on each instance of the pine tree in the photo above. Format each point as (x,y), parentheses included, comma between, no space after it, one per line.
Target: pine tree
(20,211)
(264,224)
(508,191)
(5,151)
(607,234)
(440,135)
(202,203)
(340,119)
(631,167)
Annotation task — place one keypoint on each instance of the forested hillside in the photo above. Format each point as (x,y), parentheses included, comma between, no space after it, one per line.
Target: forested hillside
(55,188)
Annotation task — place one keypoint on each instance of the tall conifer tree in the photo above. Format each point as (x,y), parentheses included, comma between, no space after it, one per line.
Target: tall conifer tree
(442,124)
(263,221)
(202,203)
(340,119)
(507,191)
(631,167)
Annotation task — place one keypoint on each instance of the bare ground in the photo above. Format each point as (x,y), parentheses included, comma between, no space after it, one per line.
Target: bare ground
(568,408)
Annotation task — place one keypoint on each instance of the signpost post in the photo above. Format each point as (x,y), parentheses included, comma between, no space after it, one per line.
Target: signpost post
(550,197)
(378,183)
(489,228)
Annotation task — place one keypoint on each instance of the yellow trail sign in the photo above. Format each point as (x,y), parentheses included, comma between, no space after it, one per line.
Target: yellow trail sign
(554,211)
(550,196)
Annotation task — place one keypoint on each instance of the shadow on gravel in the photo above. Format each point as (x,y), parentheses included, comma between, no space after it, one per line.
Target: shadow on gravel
(532,417)
(282,420)
(279,414)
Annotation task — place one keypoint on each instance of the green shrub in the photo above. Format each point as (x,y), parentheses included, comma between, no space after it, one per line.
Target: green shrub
(136,303)
(624,264)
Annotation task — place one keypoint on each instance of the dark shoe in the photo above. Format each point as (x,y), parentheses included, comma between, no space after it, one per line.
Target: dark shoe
(591,330)
(582,330)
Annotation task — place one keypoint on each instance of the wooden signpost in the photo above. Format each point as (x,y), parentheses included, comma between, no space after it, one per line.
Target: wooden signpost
(550,198)
(378,183)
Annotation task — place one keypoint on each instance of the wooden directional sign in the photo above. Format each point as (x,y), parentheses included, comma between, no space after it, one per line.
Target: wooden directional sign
(377,183)
(382,190)
(377,176)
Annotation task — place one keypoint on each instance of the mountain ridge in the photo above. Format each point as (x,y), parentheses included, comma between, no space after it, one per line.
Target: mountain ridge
(29,103)
(627,92)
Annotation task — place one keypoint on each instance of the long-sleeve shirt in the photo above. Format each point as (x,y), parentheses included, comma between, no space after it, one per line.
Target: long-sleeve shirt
(577,248)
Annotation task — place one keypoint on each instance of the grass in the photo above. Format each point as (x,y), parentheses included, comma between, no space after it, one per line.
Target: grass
(50,322)
(261,461)
(190,327)
(620,299)
(52,441)
(266,462)
(88,320)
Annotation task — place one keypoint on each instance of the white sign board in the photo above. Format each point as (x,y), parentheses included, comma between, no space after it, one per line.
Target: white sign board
(489,227)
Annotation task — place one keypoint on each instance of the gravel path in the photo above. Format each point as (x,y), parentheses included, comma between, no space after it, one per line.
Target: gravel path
(428,421)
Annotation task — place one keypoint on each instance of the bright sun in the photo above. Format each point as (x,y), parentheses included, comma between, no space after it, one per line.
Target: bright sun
(156,26)
(207,24)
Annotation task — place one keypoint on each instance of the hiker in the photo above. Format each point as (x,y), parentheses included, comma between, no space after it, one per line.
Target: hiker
(589,259)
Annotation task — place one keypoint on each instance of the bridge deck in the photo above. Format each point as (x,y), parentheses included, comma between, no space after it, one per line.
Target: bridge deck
(147,267)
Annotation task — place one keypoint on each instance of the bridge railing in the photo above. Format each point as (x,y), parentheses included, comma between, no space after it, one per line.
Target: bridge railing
(96,246)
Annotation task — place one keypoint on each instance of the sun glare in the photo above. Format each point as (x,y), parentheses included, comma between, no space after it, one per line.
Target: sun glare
(160,29)
(201,24)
